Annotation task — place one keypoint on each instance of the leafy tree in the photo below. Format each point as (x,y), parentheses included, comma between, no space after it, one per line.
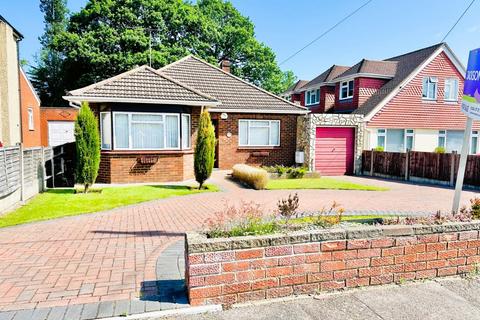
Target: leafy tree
(108,37)
(47,75)
(88,146)
(204,156)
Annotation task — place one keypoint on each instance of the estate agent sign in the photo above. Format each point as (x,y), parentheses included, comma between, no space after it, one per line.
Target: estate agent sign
(471,108)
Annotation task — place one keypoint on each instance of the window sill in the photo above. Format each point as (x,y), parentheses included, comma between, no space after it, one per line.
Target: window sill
(451,101)
(345,99)
(312,104)
(426,100)
(137,152)
(255,148)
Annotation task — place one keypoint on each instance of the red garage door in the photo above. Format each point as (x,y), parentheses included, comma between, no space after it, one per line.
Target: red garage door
(334,151)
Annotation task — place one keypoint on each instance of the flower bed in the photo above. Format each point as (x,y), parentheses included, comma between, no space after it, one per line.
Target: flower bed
(240,269)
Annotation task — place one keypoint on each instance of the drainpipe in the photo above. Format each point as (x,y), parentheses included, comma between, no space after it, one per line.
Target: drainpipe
(19,90)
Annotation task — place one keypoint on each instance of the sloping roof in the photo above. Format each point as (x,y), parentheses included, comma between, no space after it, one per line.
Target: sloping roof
(234,93)
(406,64)
(376,67)
(142,84)
(15,31)
(326,76)
(296,86)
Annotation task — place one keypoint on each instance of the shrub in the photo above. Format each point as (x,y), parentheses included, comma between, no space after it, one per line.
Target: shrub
(256,178)
(280,170)
(475,208)
(204,157)
(287,208)
(439,150)
(379,149)
(296,173)
(232,221)
(88,147)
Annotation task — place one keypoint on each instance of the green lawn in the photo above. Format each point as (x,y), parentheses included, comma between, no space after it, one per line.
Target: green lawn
(319,183)
(57,203)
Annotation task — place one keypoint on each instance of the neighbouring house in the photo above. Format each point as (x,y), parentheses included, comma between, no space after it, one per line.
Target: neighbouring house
(57,125)
(10,119)
(408,102)
(30,113)
(148,121)
(293,92)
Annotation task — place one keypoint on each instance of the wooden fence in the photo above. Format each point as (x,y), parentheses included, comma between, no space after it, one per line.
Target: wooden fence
(420,166)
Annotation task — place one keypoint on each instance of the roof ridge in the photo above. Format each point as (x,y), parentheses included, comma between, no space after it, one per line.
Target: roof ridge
(196,91)
(240,79)
(108,80)
(415,51)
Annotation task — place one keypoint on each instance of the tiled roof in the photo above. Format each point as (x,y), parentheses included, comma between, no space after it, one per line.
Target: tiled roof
(326,76)
(233,92)
(142,83)
(296,86)
(405,65)
(384,68)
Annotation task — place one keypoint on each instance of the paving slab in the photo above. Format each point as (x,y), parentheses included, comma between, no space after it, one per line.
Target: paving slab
(105,309)
(42,314)
(469,289)
(74,312)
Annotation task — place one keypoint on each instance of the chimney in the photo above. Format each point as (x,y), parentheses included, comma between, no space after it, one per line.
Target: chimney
(225,65)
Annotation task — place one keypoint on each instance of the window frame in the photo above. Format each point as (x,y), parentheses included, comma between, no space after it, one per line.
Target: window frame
(407,134)
(450,81)
(129,114)
(316,94)
(31,119)
(475,135)
(346,84)
(430,82)
(189,131)
(384,135)
(442,134)
(269,133)
(101,130)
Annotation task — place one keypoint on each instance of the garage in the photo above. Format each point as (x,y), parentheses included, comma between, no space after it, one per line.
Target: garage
(334,150)
(60,132)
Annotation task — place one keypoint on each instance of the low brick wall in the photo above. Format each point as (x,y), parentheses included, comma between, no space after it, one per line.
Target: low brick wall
(228,271)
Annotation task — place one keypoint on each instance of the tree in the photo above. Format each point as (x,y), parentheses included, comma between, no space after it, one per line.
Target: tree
(109,37)
(88,147)
(47,76)
(204,156)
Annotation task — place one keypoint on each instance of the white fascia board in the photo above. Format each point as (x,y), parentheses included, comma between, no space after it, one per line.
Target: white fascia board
(79,99)
(259,111)
(358,75)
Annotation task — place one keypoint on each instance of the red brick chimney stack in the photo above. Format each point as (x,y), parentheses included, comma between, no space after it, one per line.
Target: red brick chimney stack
(225,65)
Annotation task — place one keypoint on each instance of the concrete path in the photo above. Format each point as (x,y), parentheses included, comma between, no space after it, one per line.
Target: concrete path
(111,256)
(443,299)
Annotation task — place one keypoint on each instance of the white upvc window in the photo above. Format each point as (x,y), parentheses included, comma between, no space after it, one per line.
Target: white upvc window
(312,97)
(474,142)
(258,133)
(186,131)
(106,130)
(346,90)
(451,89)
(442,138)
(409,139)
(31,121)
(381,138)
(146,131)
(429,88)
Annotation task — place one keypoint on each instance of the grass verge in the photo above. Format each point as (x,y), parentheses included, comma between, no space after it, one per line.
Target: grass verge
(56,203)
(319,183)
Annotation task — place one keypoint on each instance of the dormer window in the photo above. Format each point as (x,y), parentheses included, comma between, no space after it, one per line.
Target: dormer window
(429,88)
(312,97)
(346,90)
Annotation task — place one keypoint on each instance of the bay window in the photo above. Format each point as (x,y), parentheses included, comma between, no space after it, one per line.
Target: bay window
(346,90)
(145,131)
(429,88)
(259,133)
(451,89)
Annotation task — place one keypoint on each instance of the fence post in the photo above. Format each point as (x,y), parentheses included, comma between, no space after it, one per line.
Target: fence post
(44,173)
(22,173)
(407,165)
(53,167)
(371,162)
(452,167)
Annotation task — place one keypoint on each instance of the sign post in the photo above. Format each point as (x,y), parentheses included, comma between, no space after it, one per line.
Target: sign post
(471,108)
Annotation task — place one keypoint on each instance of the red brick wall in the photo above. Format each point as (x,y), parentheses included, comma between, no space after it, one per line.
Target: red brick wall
(305,267)
(30,138)
(408,110)
(54,114)
(230,153)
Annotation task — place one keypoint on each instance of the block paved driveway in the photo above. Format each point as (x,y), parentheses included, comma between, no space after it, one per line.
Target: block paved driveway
(108,255)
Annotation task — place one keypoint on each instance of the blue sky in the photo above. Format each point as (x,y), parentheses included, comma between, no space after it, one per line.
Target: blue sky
(382,29)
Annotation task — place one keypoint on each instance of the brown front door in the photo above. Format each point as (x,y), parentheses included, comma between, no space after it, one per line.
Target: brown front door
(215,125)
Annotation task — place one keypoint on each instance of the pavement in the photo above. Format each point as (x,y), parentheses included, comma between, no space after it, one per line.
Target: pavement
(112,255)
(449,298)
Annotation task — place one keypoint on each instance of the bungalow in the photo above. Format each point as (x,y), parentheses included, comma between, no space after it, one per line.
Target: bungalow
(408,102)
(148,121)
